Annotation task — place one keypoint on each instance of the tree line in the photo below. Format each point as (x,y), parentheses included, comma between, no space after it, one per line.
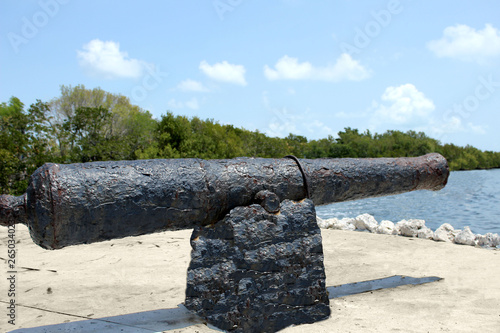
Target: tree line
(84,125)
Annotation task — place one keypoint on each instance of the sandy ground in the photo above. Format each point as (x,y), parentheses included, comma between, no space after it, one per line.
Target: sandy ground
(136,284)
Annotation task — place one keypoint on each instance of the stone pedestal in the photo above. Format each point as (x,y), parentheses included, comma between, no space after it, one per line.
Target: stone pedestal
(257,271)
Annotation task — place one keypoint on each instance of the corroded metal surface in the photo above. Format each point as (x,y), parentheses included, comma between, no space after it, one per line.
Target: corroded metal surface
(12,209)
(84,203)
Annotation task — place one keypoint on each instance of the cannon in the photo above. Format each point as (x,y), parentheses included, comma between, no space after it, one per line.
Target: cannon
(90,202)
(257,256)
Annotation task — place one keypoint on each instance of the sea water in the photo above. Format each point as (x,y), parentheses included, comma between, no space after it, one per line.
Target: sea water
(471,198)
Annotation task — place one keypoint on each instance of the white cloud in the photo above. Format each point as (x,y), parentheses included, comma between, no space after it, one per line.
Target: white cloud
(317,126)
(406,108)
(477,129)
(403,105)
(192,85)
(288,68)
(104,59)
(350,115)
(453,125)
(280,128)
(191,104)
(174,104)
(225,72)
(467,44)
(284,122)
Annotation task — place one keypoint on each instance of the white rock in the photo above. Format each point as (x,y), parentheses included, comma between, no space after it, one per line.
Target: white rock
(466,237)
(426,233)
(323,224)
(345,224)
(495,240)
(397,229)
(419,224)
(490,240)
(385,227)
(406,229)
(445,233)
(330,223)
(365,222)
(484,240)
(335,223)
(410,228)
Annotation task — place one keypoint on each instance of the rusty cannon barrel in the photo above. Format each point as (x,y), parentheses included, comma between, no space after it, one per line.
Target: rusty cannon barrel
(90,202)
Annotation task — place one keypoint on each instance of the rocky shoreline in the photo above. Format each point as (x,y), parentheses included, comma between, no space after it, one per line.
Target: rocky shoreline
(412,228)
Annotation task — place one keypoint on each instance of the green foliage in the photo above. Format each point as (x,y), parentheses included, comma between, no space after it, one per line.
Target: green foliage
(178,136)
(90,134)
(85,125)
(90,125)
(24,144)
(14,145)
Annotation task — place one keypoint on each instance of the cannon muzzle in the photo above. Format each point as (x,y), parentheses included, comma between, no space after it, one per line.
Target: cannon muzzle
(89,202)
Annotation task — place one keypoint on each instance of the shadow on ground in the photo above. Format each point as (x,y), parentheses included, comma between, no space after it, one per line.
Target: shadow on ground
(170,319)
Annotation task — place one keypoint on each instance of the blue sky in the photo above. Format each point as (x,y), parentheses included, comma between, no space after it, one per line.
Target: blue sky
(310,68)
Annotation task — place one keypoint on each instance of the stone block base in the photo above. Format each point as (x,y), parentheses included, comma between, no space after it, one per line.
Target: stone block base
(256,271)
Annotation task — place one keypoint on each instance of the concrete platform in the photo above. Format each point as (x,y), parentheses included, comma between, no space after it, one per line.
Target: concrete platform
(136,284)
